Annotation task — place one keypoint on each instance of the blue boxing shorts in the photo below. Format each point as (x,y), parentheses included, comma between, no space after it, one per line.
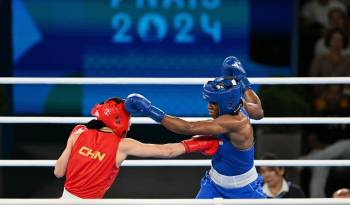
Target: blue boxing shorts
(210,190)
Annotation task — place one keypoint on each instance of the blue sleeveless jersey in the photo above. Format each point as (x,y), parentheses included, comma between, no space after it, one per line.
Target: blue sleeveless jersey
(231,161)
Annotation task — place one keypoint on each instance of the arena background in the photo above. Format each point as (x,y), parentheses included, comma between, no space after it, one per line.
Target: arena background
(160,38)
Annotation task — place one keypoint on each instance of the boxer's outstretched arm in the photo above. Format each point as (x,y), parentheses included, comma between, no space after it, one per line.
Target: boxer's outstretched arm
(128,146)
(180,126)
(139,149)
(207,145)
(253,105)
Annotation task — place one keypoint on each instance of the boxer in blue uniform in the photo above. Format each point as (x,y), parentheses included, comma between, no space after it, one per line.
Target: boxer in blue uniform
(231,103)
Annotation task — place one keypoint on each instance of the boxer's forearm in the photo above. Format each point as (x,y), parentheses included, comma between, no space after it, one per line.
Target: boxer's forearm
(253,105)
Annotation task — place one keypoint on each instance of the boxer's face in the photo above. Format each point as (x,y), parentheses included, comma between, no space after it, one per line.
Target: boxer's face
(272,175)
(213,110)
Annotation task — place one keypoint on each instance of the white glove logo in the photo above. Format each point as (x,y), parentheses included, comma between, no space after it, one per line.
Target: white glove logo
(237,64)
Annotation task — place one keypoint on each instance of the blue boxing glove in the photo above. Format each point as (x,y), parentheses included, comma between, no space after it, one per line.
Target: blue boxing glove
(136,103)
(233,67)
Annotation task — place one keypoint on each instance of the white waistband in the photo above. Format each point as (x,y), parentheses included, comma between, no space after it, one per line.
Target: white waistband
(67,195)
(237,181)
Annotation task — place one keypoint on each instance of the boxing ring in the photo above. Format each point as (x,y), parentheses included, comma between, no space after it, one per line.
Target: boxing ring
(215,201)
(174,162)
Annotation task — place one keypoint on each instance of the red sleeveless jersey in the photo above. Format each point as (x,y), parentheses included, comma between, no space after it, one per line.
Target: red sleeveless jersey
(91,167)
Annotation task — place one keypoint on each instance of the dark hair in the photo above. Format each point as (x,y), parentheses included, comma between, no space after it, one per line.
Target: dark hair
(117,100)
(337,10)
(95,124)
(333,31)
(270,156)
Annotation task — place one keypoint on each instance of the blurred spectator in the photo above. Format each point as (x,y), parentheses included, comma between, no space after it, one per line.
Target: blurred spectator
(338,150)
(324,140)
(332,63)
(316,11)
(338,19)
(275,185)
(311,28)
(329,101)
(342,193)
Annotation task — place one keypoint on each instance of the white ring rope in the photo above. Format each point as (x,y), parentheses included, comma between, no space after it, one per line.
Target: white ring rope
(146,120)
(187,163)
(215,201)
(169,81)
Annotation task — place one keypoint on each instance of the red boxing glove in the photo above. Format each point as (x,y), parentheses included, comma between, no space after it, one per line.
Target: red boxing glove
(206,144)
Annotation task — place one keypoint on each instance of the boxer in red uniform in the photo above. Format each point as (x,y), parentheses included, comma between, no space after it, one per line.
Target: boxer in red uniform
(95,151)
